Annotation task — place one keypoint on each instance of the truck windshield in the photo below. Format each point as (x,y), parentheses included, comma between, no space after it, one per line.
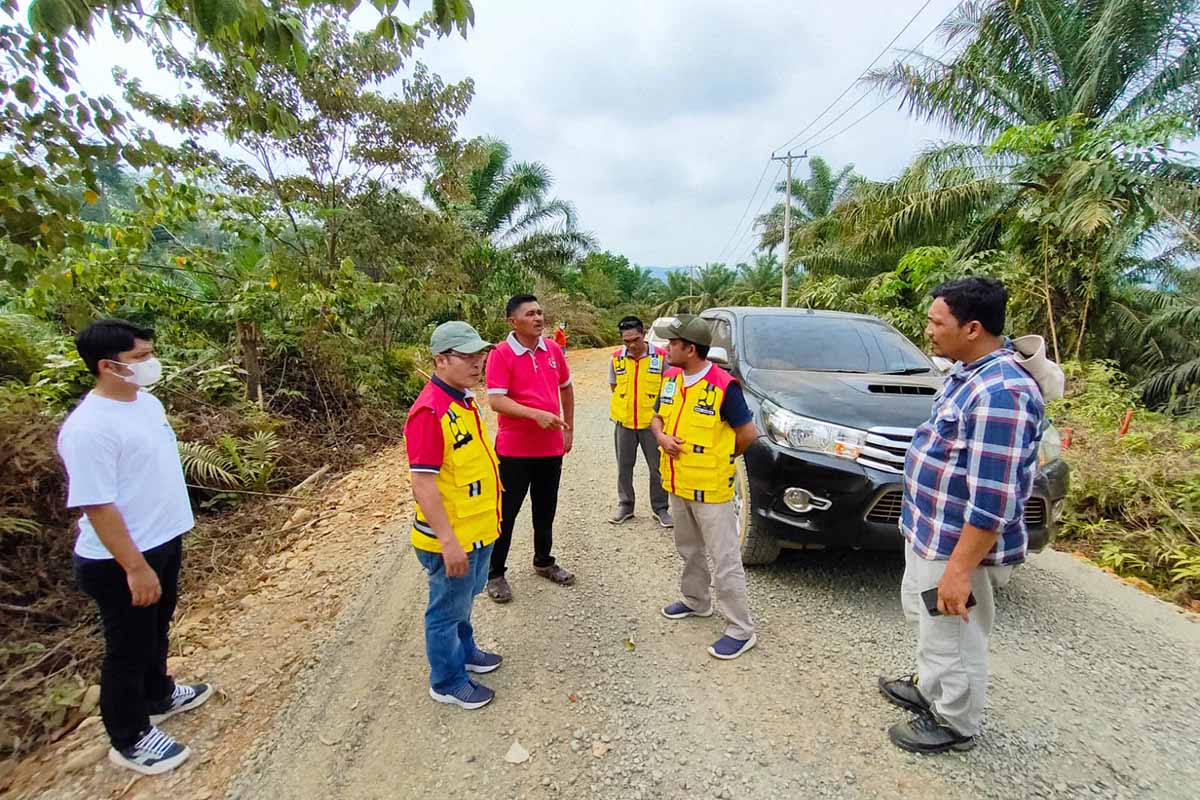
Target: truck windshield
(829,344)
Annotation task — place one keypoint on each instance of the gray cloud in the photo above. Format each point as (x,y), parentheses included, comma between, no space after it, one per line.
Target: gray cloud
(656,118)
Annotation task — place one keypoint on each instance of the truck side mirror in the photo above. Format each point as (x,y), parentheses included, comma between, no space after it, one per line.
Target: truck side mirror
(719,355)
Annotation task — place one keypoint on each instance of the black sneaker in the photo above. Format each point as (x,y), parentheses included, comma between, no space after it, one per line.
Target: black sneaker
(483,662)
(185,698)
(903,692)
(924,733)
(154,754)
(470,696)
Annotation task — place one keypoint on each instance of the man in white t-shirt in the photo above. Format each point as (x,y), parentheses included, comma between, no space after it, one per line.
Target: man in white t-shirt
(123,471)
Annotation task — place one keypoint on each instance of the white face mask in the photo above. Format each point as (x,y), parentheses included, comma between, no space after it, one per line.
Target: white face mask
(145,373)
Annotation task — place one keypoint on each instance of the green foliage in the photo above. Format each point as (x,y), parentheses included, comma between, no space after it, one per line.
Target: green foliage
(507,204)
(1134,503)
(246,463)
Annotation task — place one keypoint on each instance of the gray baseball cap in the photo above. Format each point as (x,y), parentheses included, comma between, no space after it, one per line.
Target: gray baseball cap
(688,327)
(458,336)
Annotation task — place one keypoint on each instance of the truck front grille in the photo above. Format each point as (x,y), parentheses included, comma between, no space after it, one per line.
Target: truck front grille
(885,449)
(886,510)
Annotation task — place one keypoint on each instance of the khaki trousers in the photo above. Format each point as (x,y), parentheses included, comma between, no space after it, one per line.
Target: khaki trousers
(952,668)
(707,540)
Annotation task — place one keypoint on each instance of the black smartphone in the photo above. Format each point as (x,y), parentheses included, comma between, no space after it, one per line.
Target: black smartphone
(930,598)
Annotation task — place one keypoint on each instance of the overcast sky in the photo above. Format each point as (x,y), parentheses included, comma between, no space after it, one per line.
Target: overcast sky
(656,118)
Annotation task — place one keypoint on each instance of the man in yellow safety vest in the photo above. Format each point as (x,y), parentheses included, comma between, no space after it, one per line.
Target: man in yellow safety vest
(456,485)
(635,375)
(702,425)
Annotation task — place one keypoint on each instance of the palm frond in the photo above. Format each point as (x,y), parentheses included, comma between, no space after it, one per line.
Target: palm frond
(207,464)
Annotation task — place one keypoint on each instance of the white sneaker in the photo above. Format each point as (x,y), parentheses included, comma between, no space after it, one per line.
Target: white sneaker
(185,698)
(154,754)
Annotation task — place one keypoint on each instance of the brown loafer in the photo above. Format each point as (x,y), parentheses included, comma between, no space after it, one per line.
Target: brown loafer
(499,590)
(556,574)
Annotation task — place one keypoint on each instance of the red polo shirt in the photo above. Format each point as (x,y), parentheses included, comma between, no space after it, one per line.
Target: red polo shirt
(532,378)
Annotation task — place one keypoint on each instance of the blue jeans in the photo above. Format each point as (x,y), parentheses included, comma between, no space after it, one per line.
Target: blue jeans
(449,638)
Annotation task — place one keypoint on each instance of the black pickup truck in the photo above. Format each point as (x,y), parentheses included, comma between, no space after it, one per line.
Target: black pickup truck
(837,398)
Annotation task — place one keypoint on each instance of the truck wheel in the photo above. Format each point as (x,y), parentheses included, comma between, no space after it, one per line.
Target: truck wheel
(757,544)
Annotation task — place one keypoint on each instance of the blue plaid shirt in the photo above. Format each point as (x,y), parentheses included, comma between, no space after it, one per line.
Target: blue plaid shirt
(975,460)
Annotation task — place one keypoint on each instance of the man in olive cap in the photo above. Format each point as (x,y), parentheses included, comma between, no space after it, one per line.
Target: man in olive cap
(456,486)
(702,424)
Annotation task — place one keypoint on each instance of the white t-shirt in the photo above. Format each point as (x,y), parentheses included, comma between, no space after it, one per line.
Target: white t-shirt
(125,453)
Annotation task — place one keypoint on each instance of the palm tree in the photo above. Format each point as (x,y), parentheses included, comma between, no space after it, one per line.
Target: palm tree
(813,200)
(694,289)
(1080,104)
(640,285)
(1041,60)
(507,206)
(758,284)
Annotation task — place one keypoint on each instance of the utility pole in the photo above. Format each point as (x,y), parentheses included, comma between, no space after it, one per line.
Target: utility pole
(787,223)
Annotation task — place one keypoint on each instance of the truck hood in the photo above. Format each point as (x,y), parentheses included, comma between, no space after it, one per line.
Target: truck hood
(860,401)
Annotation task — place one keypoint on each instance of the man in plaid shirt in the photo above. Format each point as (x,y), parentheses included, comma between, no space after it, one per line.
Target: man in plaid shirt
(967,477)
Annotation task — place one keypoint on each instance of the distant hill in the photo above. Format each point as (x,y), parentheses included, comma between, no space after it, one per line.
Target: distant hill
(662,272)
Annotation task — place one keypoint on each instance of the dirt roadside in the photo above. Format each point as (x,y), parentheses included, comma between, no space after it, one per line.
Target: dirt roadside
(250,644)
(324,675)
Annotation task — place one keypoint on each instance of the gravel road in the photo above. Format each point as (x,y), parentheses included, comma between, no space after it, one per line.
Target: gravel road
(1094,684)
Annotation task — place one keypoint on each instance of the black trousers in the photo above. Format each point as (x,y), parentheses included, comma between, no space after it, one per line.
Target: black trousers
(133,679)
(537,477)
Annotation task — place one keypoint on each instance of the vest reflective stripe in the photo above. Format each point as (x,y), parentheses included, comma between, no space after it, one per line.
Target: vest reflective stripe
(469,483)
(637,387)
(704,470)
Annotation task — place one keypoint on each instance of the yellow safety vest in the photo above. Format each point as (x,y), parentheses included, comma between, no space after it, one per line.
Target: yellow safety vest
(704,470)
(638,383)
(468,481)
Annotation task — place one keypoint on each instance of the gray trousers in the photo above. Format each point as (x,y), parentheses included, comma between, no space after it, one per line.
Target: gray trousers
(627,442)
(952,670)
(706,537)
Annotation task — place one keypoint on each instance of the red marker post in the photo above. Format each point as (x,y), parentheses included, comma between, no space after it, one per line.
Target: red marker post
(1125,423)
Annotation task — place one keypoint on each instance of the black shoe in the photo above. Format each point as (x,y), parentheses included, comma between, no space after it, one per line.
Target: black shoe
(925,734)
(903,692)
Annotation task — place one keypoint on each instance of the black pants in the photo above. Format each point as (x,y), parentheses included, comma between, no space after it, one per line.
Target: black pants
(537,477)
(133,679)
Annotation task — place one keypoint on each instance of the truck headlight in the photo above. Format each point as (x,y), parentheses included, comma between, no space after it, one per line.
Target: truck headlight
(802,433)
(1050,448)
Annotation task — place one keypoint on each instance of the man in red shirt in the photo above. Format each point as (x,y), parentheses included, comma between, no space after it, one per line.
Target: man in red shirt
(456,486)
(529,388)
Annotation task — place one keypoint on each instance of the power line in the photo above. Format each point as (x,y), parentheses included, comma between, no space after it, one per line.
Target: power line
(868,93)
(763,202)
(749,203)
(862,75)
(895,93)
(737,241)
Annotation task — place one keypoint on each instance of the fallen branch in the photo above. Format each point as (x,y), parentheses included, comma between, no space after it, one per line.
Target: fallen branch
(35,611)
(241,491)
(19,672)
(310,480)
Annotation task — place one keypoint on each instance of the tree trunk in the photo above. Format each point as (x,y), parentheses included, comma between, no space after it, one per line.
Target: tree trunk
(247,333)
(1049,302)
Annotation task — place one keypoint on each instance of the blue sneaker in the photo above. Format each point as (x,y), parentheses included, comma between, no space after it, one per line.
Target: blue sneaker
(154,754)
(728,647)
(185,698)
(483,662)
(471,696)
(679,610)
